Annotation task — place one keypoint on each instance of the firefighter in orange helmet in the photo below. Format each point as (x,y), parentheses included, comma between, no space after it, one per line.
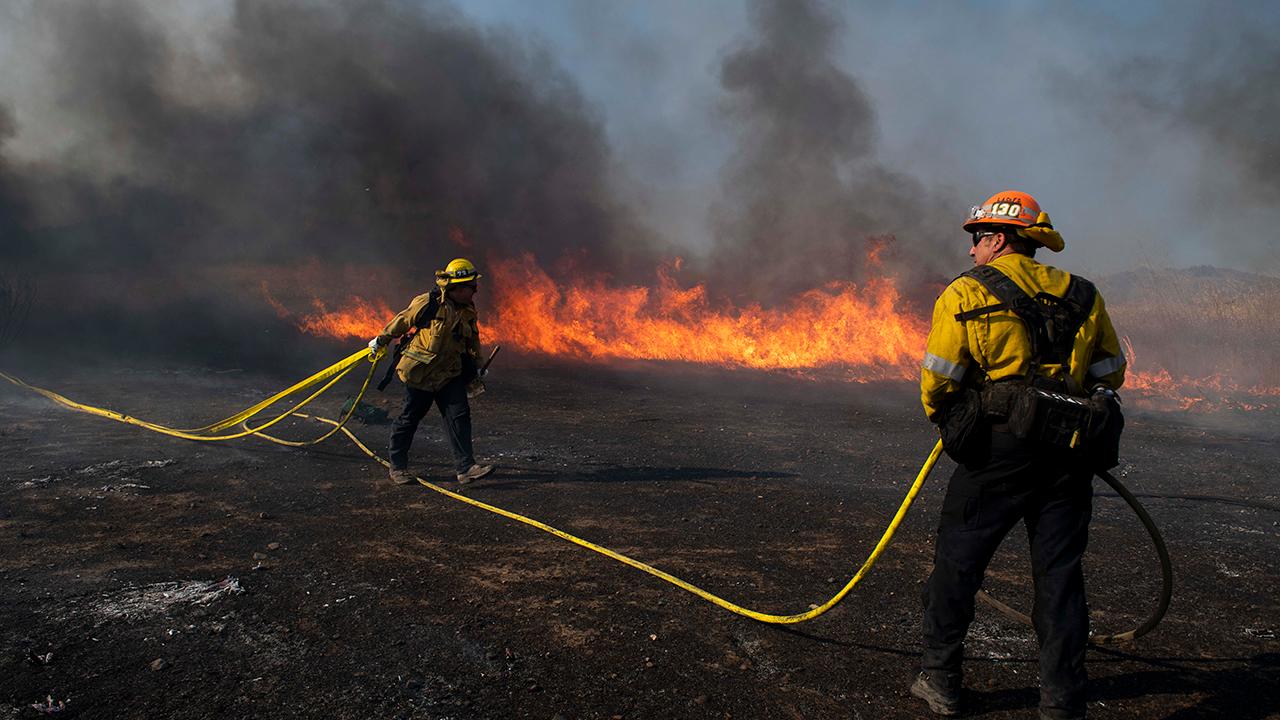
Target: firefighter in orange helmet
(436,366)
(1020,375)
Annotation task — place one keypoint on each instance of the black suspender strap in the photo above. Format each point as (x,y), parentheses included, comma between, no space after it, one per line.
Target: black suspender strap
(428,311)
(1081,294)
(423,318)
(979,312)
(1011,296)
(1051,321)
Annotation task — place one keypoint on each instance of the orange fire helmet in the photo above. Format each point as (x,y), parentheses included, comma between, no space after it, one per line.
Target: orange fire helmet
(1019,209)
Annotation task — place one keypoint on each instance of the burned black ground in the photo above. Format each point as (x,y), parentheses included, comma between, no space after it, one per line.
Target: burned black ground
(371,600)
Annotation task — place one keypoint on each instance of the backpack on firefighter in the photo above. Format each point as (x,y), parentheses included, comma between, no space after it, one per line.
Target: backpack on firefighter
(423,320)
(1055,413)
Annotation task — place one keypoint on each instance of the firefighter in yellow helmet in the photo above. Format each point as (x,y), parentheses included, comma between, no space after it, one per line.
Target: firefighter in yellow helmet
(436,366)
(1020,375)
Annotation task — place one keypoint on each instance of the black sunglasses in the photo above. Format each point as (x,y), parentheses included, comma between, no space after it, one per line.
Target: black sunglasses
(979,235)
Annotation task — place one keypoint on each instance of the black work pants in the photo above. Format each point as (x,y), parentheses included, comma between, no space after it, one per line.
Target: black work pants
(454,409)
(1053,496)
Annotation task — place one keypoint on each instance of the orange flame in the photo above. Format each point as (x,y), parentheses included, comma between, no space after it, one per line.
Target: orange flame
(1160,388)
(1213,392)
(839,324)
(842,325)
(863,331)
(359,318)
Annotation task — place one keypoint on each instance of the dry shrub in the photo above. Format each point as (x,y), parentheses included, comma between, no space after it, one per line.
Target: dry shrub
(1200,322)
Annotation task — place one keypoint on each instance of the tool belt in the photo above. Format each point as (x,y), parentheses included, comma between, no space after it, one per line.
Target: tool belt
(1028,412)
(1087,428)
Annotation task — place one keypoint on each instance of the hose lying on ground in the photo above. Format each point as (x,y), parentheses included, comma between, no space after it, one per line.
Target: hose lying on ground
(1166,575)
(335,372)
(210,433)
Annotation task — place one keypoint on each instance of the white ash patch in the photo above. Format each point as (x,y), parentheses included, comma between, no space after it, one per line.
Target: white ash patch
(119,474)
(757,651)
(148,600)
(998,641)
(123,469)
(1247,531)
(125,486)
(1228,572)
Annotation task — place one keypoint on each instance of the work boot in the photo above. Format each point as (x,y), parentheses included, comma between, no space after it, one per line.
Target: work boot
(942,700)
(401,476)
(475,472)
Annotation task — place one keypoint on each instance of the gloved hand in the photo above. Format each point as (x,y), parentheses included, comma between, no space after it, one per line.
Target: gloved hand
(376,344)
(482,372)
(1102,391)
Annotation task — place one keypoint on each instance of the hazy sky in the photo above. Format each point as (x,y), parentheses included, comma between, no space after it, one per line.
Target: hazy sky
(1146,129)
(1099,109)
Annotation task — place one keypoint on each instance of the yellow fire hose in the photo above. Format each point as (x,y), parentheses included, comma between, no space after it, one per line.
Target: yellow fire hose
(687,586)
(333,374)
(330,375)
(1166,575)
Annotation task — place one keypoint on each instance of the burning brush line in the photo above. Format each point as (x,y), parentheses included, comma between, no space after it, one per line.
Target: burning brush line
(860,328)
(838,324)
(1211,393)
(863,332)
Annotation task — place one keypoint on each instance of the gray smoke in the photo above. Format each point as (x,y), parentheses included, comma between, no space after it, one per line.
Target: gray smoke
(804,198)
(1189,118)
(380,132)
(1235,106)
(1225,101)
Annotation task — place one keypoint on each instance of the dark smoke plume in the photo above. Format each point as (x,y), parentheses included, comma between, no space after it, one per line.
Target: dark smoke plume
(804,198)
(16,297)
(372,132)
(12,212)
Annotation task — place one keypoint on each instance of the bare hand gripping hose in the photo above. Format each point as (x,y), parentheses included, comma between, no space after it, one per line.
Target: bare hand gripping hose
(338,370)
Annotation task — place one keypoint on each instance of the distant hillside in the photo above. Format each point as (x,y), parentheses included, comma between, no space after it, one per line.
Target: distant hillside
(1200,321)
(1142,284)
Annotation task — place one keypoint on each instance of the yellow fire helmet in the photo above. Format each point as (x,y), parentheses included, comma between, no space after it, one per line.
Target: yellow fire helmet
(459,270)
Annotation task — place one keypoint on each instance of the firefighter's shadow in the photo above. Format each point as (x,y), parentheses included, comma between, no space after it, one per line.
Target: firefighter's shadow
(1247,689)
(522,477)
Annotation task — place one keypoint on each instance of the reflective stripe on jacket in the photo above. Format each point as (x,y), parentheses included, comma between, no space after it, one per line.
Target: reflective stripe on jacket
(434,356)
(997,343)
